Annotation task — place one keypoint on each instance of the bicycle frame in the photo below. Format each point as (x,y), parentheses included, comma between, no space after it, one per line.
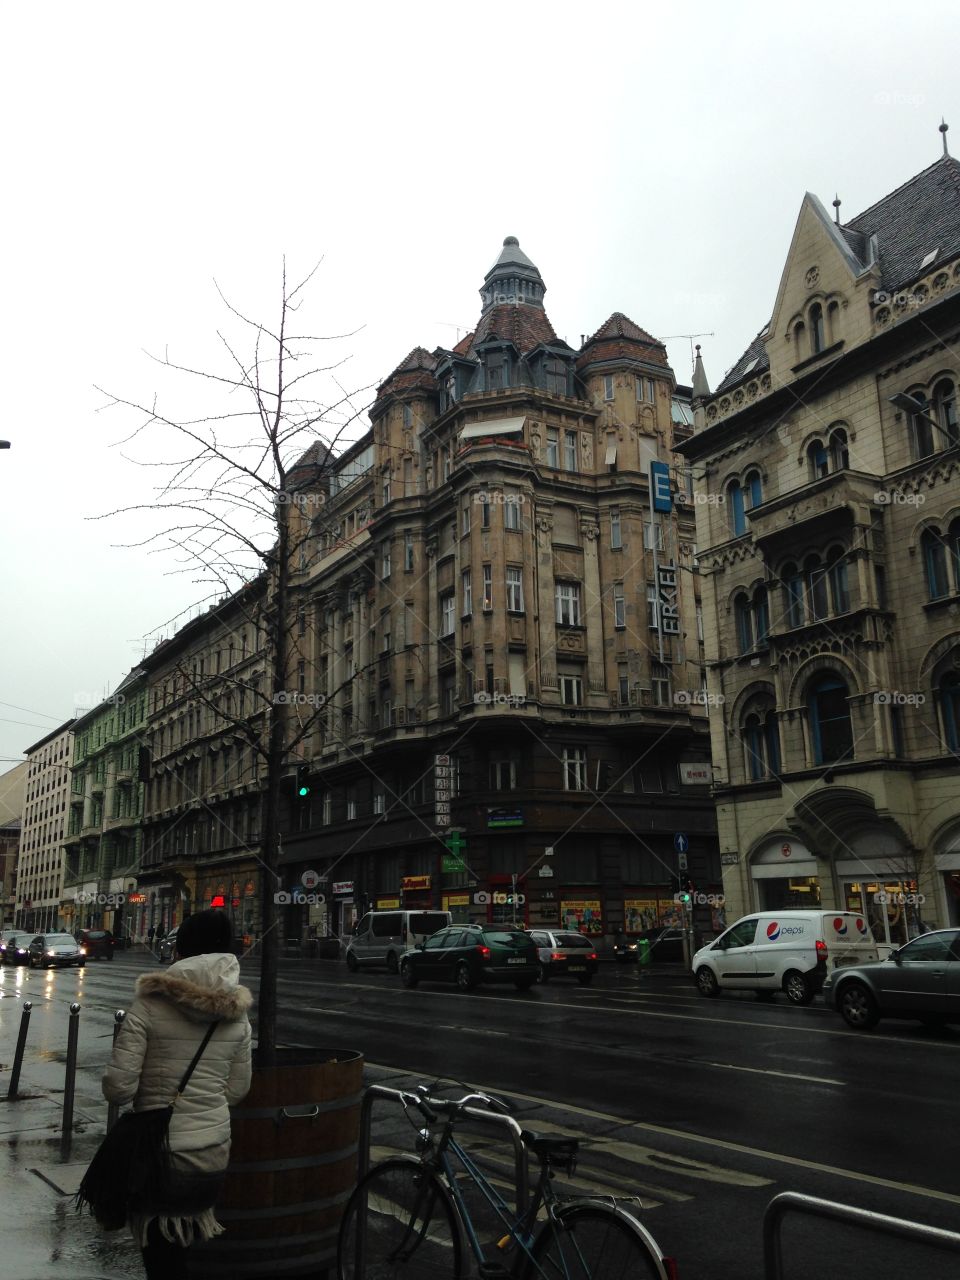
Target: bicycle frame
(517,1227)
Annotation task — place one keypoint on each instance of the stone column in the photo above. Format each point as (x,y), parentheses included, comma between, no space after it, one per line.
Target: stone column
(592,606)
(546,598)
(433,630)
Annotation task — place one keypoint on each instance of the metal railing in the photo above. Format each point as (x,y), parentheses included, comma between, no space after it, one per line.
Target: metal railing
(813,1206)
(521,1170)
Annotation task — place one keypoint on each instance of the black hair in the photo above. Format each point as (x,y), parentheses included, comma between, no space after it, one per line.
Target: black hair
(203,932)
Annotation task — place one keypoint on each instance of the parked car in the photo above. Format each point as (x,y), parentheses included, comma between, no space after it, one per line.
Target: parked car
(920,980)
(97,944)
(562,953)
(789,951)
(665,942)
(471,954)
(14,946)
(168,945)
(55,950)
(381,937)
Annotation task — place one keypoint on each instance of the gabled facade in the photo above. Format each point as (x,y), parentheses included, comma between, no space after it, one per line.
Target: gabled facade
(480,583)
(828,512)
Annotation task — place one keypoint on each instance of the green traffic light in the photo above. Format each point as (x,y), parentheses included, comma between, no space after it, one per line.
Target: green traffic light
(304,791)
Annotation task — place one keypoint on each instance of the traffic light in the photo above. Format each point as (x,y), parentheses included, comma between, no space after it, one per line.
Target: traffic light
(685,895)
(303,783)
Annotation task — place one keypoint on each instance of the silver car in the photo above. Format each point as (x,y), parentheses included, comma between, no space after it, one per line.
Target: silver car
(920,981)
(56,950)
(563,953)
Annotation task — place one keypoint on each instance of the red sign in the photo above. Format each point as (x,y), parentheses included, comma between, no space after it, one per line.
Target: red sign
(415,882)
(218,900)
(786,850)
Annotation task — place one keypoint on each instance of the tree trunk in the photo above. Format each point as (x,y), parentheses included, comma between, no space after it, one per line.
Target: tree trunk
(276,753)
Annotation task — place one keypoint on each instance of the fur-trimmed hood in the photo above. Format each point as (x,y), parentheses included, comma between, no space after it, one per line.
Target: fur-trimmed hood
(202,987)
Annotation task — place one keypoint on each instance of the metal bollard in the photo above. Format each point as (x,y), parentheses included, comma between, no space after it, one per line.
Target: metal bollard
(69,1083)
(21,1045)
(113,1110)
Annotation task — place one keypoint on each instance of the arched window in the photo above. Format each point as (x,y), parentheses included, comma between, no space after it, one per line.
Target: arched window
(738,517)
(945,412)
(830,728)
(818,460)
(815,574)
(839,591)
(744,619)
(761,615)
(761,742)
(935,563)
(753,741)
(948,695)
(953,551)
(771,734)
(839,452)
(817,342)
(754,488)
(792,581)
(799,332)
(833,322)
(921,425)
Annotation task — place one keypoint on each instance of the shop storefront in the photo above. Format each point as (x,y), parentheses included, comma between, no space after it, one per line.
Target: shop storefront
(417,893)
(785,875)
(888,899)
(458,904)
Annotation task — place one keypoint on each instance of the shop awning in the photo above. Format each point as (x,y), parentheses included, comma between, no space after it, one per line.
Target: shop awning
(493,427)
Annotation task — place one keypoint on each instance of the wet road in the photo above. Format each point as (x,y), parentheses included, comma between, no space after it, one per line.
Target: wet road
(705,1108)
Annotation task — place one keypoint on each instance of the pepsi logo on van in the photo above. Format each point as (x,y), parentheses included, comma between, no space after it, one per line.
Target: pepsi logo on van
(775,930)
(840,926)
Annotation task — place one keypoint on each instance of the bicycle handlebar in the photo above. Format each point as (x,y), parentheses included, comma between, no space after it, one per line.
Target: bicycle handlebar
(433,1108)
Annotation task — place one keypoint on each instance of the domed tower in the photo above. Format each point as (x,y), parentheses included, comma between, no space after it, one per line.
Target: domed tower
(512,279)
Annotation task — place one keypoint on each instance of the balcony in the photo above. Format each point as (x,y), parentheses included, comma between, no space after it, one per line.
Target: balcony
(814,511)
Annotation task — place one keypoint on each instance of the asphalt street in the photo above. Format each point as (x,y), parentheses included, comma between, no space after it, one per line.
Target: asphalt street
(703,1109)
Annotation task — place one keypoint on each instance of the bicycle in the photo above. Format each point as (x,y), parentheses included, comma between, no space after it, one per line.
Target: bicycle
(408,1217)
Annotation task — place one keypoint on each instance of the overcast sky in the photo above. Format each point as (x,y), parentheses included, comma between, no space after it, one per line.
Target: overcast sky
(650,158)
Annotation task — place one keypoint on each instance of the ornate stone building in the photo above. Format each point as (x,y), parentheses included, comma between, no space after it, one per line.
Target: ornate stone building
(41,859)
(102,843)
(828,513)
(494,680)
(205,705)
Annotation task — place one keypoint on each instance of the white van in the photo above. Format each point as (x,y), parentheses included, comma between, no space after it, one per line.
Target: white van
(381,937)
(789,951)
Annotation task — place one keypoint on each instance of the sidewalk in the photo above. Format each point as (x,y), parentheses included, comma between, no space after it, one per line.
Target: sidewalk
(43,1235)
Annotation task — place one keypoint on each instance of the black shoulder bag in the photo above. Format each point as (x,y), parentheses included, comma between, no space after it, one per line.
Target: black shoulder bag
(131,1168)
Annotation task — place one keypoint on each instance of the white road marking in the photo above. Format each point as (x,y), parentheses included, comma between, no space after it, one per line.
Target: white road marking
(767,1071)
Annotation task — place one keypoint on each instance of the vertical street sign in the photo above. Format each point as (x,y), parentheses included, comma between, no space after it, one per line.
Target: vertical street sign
(660,499)
(442,766)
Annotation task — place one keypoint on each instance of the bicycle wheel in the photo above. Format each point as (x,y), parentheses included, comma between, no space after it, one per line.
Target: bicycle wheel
(595,1242)
(399,1224)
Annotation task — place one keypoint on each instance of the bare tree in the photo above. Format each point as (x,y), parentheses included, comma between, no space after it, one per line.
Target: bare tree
(237,500)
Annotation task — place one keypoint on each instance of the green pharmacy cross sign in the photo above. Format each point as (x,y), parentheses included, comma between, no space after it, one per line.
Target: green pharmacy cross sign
(454,860)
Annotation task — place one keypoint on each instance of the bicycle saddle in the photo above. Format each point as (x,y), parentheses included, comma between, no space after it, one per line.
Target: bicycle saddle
(549,1148)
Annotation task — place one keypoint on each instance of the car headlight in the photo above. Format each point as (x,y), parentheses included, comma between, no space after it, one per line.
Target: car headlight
(83,951)
(51,953)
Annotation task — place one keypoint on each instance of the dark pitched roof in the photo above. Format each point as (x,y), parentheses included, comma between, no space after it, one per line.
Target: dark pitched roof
(463,346)
(909,223)
(415,371)
(754,359)
(524,326)
(619,336)
(621,326)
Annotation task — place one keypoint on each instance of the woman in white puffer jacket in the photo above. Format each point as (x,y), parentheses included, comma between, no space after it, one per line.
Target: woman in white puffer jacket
(162,1031)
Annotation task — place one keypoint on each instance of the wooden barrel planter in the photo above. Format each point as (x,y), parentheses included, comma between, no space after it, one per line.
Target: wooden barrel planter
(293,1164)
